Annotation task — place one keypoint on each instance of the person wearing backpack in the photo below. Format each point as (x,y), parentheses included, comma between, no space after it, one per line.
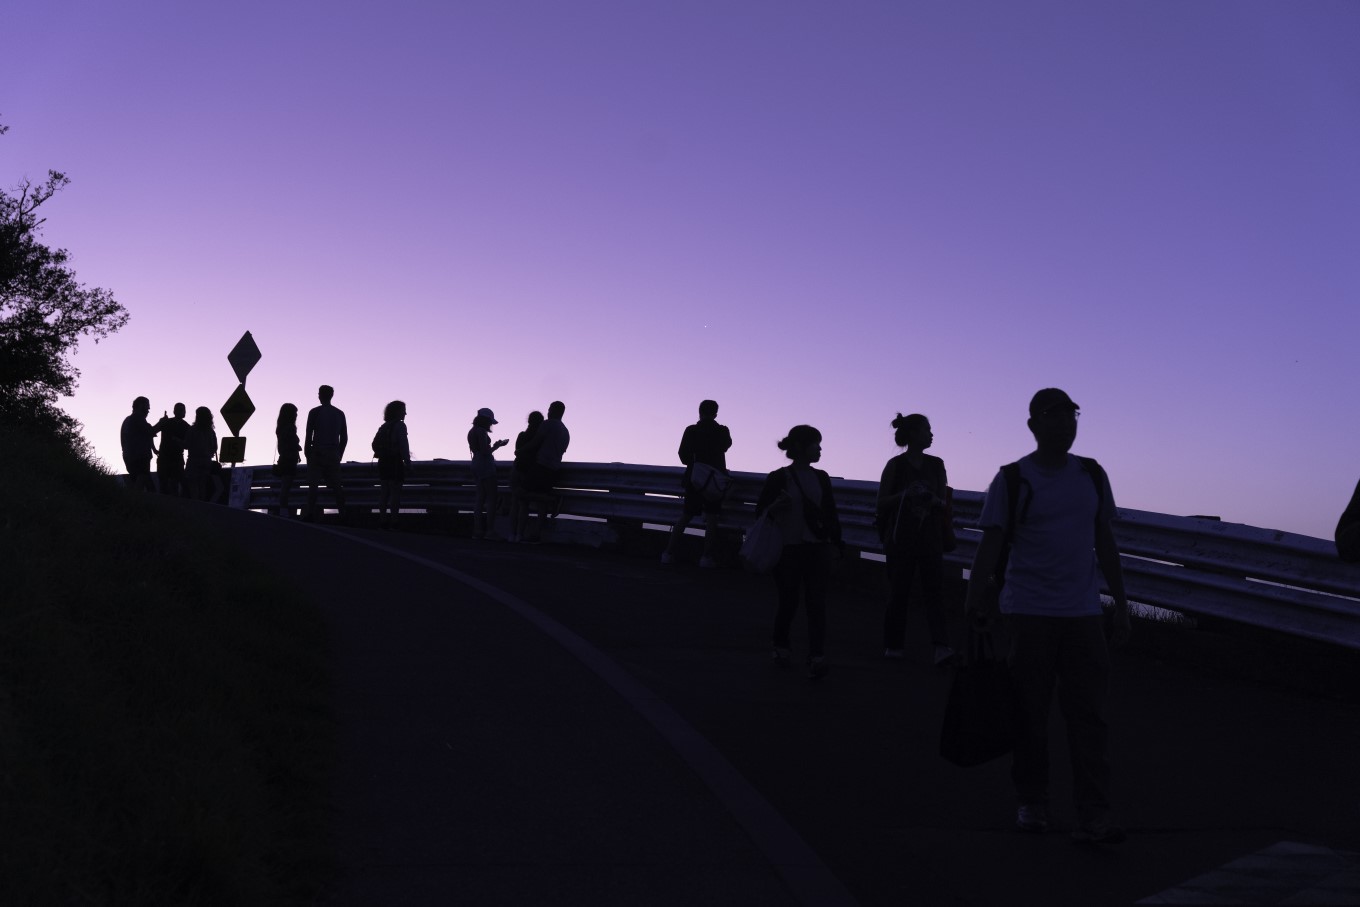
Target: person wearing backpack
(703,450)
(911,513)
(393,450)
(1046,518)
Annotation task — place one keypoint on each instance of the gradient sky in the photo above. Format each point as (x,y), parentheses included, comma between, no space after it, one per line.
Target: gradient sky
(810,211)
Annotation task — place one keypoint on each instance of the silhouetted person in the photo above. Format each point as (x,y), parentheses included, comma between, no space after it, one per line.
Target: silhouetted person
(1348,530)
(705,442)
(324,445)
(910,519)
(800,501)
(201,444)
(549,443)
(1055,509)
(290,454)
(392,446)
(174,432)
(138,446)
(484,473)
(521,476)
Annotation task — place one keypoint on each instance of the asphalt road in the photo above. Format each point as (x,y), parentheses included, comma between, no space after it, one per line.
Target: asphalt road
(553,725)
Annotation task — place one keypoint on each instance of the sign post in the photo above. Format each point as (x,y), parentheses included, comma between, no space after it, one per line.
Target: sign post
(236,412)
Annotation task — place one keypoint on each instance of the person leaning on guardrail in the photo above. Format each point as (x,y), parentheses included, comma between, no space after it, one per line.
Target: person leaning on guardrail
(1053,511)
(703,448)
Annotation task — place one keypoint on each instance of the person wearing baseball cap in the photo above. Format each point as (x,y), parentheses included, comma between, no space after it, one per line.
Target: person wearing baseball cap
(484,473)
(1052,510)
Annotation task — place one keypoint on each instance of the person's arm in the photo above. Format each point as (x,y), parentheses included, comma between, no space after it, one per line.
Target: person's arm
(885,482)
(309,436)
(344,434)
(686,451)
(1107,555)
(830,513)
(769,492)
(982,576)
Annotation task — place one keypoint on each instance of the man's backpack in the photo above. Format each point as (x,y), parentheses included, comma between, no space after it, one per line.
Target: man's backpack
(382,441)
(1016,512)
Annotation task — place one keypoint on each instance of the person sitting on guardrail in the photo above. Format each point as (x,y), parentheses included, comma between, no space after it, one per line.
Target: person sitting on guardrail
(703,449)
(547,446)
(484,473)
(1052,510)
(911,515)
(800,501)
(290,453)
(392,447)
(324,443)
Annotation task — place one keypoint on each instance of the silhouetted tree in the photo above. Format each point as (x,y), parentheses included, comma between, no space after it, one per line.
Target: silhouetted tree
(44,313)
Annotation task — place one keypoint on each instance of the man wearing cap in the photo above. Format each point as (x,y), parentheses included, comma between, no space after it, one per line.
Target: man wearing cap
(484,473)
(1059,536)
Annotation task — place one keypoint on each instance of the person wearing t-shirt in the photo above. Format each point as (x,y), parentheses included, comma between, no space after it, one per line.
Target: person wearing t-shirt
(1060,542)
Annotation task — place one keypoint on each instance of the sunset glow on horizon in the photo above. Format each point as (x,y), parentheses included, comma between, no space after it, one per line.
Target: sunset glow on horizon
(809,212)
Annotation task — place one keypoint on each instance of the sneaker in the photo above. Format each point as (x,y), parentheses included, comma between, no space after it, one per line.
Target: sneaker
(707,562)
(1102,832)
(1032,819)
(943,655)
(895,654)
(781,657)
(667,557)
(817,667)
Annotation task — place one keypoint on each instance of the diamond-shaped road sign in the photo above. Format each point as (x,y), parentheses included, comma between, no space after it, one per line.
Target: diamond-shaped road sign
(243,357)
(237,409)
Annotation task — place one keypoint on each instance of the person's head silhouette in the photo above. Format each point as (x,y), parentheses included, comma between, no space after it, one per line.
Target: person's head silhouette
(708,409)
(803,444)
(180,410)
(1053,420)
(912,431)
(141,406)
(324,393)
(556,409)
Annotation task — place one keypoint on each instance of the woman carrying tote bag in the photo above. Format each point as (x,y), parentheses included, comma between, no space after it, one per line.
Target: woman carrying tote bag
(798,498)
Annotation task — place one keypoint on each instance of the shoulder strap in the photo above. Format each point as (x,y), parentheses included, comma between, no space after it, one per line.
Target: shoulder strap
(1014,480)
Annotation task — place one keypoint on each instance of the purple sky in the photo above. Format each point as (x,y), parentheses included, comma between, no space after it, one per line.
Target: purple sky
(811,212)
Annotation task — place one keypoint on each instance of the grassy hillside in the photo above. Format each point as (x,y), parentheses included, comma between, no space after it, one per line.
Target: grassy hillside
(165,730)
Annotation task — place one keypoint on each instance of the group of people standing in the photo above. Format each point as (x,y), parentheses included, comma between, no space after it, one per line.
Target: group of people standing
(538,457)
(1047,537)
(912,518)
(176,476)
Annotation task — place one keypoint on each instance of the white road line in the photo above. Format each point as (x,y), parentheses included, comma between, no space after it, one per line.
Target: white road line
(808,878)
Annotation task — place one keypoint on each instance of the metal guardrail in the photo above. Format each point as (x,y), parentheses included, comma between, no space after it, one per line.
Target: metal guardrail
(1279,581)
